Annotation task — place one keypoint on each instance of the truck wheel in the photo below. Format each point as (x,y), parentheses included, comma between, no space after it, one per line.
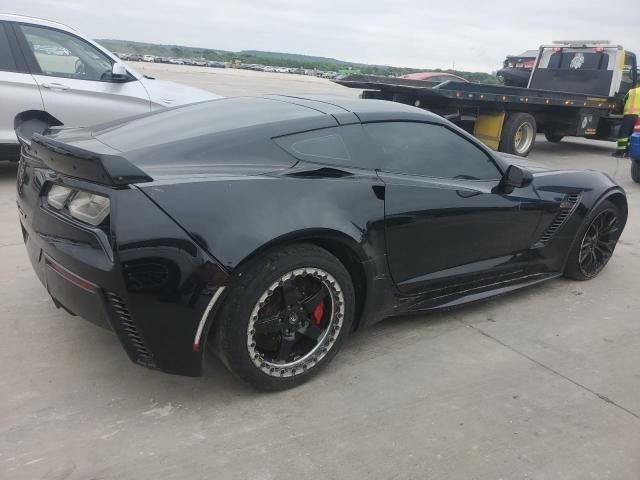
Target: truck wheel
(518,134)
(553,137)
(635,170)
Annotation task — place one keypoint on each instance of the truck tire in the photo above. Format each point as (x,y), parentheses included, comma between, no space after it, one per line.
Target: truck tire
(553,137)
(518,134)
(635,170)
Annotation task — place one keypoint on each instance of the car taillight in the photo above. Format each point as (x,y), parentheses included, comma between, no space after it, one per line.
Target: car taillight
(89,207)
(636,127)
(84,206)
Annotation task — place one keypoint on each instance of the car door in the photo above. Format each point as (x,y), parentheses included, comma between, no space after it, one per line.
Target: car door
(444,216)
(75,78)
(18,89)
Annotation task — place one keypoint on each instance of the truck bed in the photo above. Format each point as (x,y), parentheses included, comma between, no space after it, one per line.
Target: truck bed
(474,92)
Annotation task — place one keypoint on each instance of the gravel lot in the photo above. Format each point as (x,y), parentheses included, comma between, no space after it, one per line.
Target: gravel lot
(540,384)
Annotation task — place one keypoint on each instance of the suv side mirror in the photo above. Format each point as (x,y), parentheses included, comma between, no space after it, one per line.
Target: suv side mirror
(119,72)
(515,177)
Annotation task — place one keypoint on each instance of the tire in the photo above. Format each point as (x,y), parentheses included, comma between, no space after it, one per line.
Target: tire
(518,134)
(573,268)
(635,170)
(553,137)
(252,324)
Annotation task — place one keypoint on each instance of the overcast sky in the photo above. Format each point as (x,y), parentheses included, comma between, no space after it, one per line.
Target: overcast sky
(476,35)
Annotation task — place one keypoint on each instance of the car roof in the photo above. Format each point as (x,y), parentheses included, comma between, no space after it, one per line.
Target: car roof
(8,17)
(428,75)
(368,110)
(266,116)
(525,54)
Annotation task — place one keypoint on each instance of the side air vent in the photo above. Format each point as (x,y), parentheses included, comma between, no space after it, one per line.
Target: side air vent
(143,357)
(146,275)
(567,206)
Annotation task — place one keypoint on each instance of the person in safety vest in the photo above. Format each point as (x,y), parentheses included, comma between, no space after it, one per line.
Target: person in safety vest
(631,112)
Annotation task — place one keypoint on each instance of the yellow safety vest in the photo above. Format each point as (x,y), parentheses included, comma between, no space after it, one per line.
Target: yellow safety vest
(632,105)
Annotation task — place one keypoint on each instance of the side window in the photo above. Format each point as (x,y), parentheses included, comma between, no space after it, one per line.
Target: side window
(429,150)
(7,62)
(629,72)
(334,145)
(60,54)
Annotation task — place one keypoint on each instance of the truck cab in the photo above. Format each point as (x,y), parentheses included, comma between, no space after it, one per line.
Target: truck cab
(589,67)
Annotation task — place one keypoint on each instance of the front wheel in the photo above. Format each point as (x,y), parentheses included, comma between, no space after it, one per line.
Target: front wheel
(595,243)
(635,170)
(286,315)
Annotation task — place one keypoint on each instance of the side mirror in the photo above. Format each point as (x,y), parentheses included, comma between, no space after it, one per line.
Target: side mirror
(119,72)
(515,177)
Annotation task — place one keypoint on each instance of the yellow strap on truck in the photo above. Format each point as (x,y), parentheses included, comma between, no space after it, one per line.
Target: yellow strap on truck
(488,129)
(632,105)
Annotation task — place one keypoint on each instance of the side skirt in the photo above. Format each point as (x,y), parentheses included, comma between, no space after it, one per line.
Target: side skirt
(419,303)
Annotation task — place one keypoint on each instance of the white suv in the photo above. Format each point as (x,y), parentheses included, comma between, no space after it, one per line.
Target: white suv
(48,66)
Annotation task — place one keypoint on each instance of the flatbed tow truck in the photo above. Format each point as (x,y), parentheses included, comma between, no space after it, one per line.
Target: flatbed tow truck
(576,88)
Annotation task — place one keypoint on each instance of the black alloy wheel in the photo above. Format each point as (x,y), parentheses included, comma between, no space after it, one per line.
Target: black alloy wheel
(285,315)
(595,242)
(598,243)
(295,322)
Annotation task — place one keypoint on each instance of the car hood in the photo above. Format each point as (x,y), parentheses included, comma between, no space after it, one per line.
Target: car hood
(170,94)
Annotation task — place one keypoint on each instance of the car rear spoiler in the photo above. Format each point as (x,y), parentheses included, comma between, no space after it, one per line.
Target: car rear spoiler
(27,123)
(32,128)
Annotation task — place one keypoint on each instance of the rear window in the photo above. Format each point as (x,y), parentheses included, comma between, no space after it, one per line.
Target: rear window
(575,59)
(320,146)
(345,145)
(7,63)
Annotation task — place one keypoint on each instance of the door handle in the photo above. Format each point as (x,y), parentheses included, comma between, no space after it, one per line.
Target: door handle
(55,86)
(468,193)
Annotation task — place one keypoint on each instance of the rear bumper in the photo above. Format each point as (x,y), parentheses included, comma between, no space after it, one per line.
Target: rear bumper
(145,279)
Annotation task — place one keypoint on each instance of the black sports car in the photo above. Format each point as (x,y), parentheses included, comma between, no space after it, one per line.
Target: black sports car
(273,226)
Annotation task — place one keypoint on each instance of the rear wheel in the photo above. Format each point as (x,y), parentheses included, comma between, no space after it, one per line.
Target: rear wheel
(635,170)
(595,243)
(518,134)
(286,316)
(553,137)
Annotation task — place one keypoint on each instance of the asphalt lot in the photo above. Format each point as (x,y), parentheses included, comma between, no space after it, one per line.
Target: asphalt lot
(540,384)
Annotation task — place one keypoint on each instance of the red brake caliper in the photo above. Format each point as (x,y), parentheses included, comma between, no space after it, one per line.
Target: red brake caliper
(318,313)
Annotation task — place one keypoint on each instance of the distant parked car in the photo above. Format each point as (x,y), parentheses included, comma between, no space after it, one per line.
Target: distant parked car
(200,63)
(434,77)
(135,57)
(89,85)
(176,61)
(516,69)
(216,64)
(149,58)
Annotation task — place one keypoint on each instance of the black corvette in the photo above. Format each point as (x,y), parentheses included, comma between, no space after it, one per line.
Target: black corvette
(269,228)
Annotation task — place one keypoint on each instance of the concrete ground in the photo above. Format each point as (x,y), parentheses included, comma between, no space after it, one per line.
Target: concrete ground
(541,384)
